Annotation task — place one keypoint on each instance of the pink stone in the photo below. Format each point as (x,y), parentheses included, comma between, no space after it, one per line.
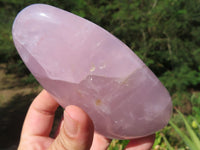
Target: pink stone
(82,64)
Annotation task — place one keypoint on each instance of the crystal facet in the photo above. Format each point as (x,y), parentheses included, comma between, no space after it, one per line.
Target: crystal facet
(82,64)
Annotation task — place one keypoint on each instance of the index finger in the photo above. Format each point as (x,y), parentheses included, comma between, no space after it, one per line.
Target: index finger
(144,143)
(40,116)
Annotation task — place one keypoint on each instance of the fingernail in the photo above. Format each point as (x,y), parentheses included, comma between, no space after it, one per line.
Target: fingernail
(70,125)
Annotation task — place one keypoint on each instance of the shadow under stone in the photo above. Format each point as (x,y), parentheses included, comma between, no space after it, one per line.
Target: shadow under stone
(12,116)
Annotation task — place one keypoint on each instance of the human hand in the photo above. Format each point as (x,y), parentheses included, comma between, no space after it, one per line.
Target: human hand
(76,131)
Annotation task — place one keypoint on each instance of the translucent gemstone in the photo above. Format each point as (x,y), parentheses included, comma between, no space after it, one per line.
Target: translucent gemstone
(82,64)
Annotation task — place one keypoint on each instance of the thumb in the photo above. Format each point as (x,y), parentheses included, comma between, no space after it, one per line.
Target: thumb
(76,132)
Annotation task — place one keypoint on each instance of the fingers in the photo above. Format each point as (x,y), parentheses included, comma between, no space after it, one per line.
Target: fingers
(40,116)
(144,143)
(76,132)
(100,142)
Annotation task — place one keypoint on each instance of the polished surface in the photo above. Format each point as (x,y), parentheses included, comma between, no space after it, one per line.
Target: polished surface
(80,63)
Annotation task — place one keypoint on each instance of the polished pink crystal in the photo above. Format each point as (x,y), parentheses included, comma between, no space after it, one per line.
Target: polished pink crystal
(82,64)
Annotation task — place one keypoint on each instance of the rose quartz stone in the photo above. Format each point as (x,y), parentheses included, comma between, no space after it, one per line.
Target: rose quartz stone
(82,64)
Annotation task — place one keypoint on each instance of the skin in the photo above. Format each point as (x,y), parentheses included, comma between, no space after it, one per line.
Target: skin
(76,131)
